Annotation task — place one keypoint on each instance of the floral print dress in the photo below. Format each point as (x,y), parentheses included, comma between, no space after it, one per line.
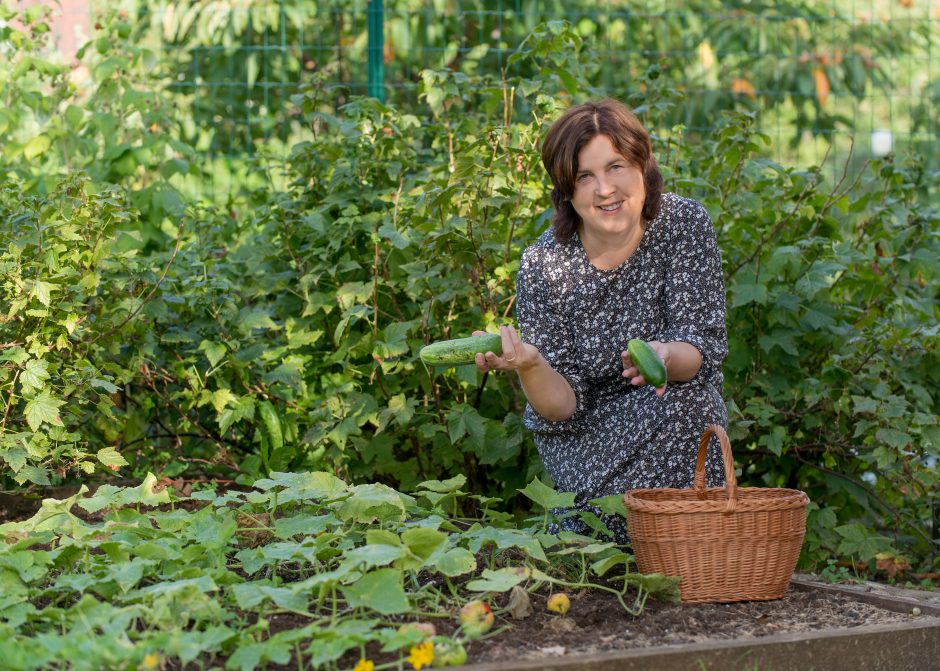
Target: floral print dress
(580,318)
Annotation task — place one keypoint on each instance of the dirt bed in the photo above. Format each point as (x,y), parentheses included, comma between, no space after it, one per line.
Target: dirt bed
(597,623)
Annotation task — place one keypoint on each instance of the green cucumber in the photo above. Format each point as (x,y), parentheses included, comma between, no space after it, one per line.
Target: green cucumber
(647,361)
(460,351)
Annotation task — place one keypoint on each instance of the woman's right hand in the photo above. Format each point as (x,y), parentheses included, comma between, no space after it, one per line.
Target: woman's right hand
(516,355)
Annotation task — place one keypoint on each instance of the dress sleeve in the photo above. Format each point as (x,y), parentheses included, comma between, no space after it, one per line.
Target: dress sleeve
(694,294)
(541,323)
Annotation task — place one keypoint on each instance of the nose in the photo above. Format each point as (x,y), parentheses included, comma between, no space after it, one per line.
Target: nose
(603,188)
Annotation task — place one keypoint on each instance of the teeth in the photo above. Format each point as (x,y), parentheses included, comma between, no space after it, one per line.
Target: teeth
(609,208)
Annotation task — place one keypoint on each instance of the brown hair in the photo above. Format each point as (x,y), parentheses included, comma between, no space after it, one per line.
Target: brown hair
(572,131)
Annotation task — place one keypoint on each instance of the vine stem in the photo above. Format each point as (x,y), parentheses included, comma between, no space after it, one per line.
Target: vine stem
(783,222)
(153,290)
(868,490)
(6,411)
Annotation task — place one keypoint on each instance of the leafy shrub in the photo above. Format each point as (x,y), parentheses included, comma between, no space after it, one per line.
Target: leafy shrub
(833,364)
(60,329)
(286,338)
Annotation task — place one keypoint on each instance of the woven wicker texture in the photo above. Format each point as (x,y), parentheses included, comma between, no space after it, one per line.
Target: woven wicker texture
(725,543)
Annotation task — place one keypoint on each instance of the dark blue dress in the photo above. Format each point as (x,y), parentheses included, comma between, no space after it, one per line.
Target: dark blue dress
(580,318)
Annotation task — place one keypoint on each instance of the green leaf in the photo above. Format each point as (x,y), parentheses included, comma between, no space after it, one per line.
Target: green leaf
(252,69)
(43,408)
(250,595)
(662,587)
(504,539)
(859,541)
(111,458)
(54,515)
(896,439)
(380,590)
(221,398)
(444,486)
(611,505)
(372,502)
(547,497)
(400,408)
(742,294)
(602,566)
(15,458)
(17,355)
(863,404)
(399,239)
(105,385)
(145,493)
(109,495)
(272,424)
(34,375)
(32,474)
(128,574)
(242,408)
(214,351)
(168,200)
(313,486)
(500,580)
(372,555)
(74,116)
(774,440)
(455,562)
(422,543)
(256,319)
(36,147)
(42,291)
(781,338)
(466,421)
(884,457)
(382,537)
(306,525)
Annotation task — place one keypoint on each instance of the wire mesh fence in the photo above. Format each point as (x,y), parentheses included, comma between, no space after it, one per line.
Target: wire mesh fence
(825,75)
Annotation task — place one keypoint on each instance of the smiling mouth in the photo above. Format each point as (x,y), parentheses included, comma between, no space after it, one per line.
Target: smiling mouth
(610,208)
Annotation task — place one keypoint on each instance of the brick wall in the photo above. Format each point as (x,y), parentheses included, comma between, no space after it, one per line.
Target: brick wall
(71,24)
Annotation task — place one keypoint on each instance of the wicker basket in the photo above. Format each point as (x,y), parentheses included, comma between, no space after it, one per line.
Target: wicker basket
(725,543)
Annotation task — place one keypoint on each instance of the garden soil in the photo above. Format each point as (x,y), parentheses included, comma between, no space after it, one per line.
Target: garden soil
(597,623)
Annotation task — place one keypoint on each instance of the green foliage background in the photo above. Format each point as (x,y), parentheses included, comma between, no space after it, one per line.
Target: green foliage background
(821,72)
(144,330)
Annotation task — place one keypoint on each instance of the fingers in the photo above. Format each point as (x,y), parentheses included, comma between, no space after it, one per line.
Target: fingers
(629,370)
(632,373)
(510,342)
(512,348)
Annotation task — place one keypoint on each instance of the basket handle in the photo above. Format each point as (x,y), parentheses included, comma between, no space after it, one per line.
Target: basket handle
(731,482)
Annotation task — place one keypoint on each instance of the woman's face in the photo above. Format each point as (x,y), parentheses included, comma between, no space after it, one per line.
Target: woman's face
(608,191)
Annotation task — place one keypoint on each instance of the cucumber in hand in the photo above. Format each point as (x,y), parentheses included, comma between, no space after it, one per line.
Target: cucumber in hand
(647,361)
(461,350)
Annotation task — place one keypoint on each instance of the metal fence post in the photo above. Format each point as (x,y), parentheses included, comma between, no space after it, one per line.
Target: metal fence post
(376,49)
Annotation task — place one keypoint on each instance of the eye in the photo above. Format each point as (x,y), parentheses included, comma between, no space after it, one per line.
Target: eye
(583,177)
(616,166)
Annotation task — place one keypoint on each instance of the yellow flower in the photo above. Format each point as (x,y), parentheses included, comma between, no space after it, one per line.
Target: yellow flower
(422,654)
(365,665)
(151,661)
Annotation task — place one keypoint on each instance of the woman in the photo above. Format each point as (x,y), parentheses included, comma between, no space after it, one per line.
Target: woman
(622,260)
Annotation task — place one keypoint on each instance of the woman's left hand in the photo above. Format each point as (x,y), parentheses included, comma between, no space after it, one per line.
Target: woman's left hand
(633,374)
